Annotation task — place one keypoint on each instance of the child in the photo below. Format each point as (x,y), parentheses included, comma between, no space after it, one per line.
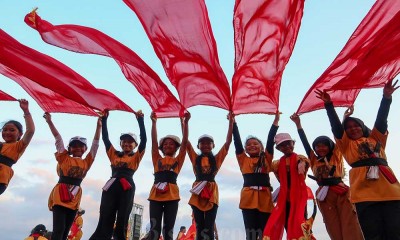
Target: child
(76,229)
(15,143)
(118,192)
(255,165)
(332,195)
(289,211)
(373,186)
(164,195)
(38,233)
(204,199)
(66,196)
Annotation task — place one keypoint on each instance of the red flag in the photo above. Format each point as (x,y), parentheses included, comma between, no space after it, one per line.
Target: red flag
(369,59)
(265,35)
(52,74)
(88,40)
(5,97)
(47,99)
(181,34)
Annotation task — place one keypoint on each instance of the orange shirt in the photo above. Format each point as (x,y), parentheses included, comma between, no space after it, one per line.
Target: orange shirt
(362,189)
(71,167)
(14,151)
(252,198)
(319,168)
(131,162)
(166,164)
(196,200)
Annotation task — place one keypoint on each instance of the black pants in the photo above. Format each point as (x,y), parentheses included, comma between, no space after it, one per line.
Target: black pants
(379,220)
(2,188)
(115,203)
(254,222)
(205,221)
(62,221)
(157,209)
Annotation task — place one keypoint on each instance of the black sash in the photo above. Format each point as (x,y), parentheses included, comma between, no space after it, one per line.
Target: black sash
(369,162)
(122,172)
(256,179)
(6,160)
(205,177)
(165,176)
(70,180)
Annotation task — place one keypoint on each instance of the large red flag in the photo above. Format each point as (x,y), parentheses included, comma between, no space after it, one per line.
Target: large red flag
(5,97)
(52,74)
(88,40)
(181,34)
(369,59)
(47,99)
(265,35)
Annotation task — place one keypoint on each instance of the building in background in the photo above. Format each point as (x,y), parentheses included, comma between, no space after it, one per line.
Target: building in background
(135,222)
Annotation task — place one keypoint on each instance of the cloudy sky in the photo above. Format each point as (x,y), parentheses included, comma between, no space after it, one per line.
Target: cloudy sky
(325,28)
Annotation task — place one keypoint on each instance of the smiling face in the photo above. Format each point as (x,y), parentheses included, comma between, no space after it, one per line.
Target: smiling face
(205,145)
(169,147)
(253,147)
(353,130)
(127,145)
(10,133)
(322,149)
(77,149)
(286,147)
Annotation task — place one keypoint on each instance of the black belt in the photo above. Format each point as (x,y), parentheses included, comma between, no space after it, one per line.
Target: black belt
(205,177)
(256,179)
(6,160)
(327,181)
(165,176)
(70,180)
(369,162)
(122,172)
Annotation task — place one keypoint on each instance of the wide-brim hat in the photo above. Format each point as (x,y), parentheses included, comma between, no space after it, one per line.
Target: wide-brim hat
(173,138)
(129,135)
(78,139)
(282,137)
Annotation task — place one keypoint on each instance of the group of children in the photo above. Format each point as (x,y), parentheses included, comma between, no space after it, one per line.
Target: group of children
(369,208)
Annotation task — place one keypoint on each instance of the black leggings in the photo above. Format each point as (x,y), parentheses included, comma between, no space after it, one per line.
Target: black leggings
(205,221)
(254,222)
(379,220)
(157,209)
(62,221)
(114,202)
(2,188)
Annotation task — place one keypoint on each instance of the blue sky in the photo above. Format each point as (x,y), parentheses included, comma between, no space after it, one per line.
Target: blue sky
(325,28)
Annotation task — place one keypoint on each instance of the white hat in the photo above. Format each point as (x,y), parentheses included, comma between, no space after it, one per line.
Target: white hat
(172,137)
(129,135)
(282,137)
(206,136)
(78,139)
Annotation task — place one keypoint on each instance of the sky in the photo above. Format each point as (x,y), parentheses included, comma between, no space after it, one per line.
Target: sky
(325,28)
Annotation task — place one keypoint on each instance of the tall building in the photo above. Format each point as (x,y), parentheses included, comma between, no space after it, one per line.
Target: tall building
(135,222)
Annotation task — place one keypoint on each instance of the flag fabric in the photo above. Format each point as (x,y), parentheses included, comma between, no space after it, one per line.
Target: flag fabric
(368,60)
(54,75)
(88,40)
(181,35)
(5,97)
(47,99)
(265,33)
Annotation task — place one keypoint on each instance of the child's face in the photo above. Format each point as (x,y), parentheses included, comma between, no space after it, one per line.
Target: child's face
(353,130)
(206,145)
(321,149)
(127,145)
(77,149)
(169,147)
(253,147)
(286,147)
(10,133)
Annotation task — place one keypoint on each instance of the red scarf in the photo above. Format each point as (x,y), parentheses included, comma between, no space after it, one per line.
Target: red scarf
(297,198)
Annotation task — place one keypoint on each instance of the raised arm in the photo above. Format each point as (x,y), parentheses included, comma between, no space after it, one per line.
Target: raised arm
(272,132)
(296,119)
(30,125)
(336,125)
(383,112)
(142,129)
(154,143)
(59,142)
(185,131)
(231,119)
(104,129)
(96,138)
(237,141)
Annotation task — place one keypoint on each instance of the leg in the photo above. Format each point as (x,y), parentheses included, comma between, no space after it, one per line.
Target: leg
(391,215)
(156,212)
(108,209)
(200,221)
(124,211)
(249,219)
(350,227)
(2,188)
(58,222)
(262,219)
(170,212)
(209,222)
(329,211)
(371,220)
(69,219)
